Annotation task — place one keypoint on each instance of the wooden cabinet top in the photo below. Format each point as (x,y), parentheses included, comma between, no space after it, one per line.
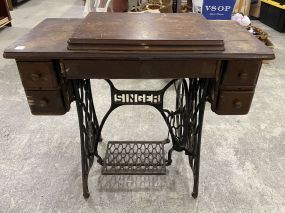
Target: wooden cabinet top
(145,32)
(48,40)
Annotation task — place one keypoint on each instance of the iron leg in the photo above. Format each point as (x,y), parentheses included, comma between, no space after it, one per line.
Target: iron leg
(196,180)
(86,193)
(88,129)
(169,159)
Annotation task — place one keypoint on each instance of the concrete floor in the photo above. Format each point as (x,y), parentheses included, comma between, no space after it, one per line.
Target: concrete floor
(242,159)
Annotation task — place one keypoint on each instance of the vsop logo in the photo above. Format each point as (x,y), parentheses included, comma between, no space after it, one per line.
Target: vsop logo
(215,8)
(218,9)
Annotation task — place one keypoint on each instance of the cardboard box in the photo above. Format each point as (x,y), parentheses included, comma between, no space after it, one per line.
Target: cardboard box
(242,6)
(255,9)
(10,5)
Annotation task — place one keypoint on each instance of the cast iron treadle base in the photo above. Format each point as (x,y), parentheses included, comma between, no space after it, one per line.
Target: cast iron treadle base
(134,158)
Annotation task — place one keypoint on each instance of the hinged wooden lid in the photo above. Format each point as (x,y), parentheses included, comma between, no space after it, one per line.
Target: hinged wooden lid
(145,31)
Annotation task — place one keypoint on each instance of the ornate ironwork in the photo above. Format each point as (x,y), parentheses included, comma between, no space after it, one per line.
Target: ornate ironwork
(184,124)
(187,122)
(88,125)
(138,157)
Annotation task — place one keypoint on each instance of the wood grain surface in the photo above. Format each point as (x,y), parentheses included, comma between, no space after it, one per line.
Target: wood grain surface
(109,30)
(48,40)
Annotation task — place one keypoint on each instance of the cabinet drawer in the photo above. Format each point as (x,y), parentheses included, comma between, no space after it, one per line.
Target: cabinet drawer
(46,102)
(140,69)
(241,73)
(234,102)
(38,75)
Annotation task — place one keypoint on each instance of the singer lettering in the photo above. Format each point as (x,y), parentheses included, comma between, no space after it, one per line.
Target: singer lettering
(137,98)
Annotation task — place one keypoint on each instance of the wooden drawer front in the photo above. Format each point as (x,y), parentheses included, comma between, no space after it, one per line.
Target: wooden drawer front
(38,75)
(46,102)
(241,73)
(140,69)
(234,102)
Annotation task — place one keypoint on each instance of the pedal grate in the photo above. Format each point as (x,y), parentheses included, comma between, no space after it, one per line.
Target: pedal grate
(134,158)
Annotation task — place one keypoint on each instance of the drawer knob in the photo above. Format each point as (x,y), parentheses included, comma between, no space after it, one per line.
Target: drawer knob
(36,77)
(237,104)
(43,102)
(243,76)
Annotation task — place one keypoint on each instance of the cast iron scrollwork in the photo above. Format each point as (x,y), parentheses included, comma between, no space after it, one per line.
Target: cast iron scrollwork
(187,122)
(184,124)
(88,125)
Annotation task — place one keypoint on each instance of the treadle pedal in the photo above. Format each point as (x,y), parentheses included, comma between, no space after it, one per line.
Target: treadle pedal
(134,158)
